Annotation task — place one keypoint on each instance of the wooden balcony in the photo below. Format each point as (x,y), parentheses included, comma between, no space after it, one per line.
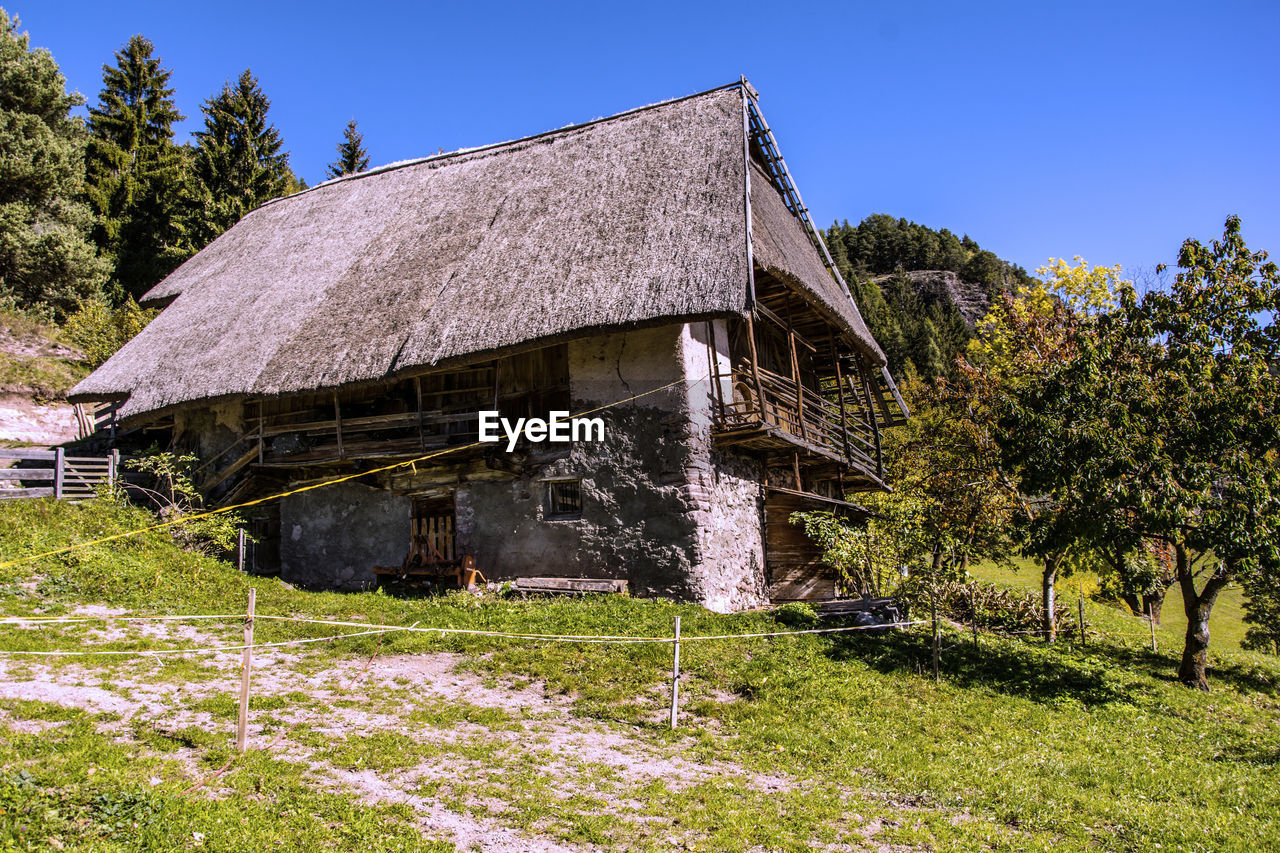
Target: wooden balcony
(778,414)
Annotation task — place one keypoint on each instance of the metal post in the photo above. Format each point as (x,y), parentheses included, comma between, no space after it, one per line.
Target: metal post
(675,675)
(246,667)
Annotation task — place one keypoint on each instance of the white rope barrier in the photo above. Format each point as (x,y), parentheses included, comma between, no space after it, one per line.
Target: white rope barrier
(599,639)
(211,649)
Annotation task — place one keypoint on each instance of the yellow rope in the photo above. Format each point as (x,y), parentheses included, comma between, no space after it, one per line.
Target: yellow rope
(220,510)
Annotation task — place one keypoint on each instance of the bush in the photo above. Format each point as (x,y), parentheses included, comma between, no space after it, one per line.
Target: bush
(98,330)
(998,609)
(176,496)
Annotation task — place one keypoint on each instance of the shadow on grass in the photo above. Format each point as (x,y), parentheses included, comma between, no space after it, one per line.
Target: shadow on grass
(1013,668)
(1163,666)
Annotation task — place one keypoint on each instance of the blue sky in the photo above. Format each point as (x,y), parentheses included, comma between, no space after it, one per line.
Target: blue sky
(1107,130)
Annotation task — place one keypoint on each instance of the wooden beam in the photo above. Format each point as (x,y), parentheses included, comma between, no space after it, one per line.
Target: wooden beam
(422,439)
(11,494)
(871,414)
(713,367)
(337,419)
(795,375)
(755,366)
(844,423)
(27,453)
(221,477)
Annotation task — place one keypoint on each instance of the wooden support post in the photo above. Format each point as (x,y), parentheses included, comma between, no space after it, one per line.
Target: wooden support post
(422,436)
(337,419)
(933,609)
(871,415)
(261,425)
(795,379)
(240,549)
(675,675)
(59,471)
(1080,611)
(1152,623)
(246,667)
(713,375)
(795,461)
(755,366)
(113,467)
(844,423)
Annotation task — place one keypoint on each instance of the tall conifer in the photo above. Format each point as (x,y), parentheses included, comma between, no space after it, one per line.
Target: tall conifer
(352,156)
(134,170)
(238,164)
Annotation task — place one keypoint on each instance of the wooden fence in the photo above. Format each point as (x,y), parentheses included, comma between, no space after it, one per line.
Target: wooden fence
(71,477)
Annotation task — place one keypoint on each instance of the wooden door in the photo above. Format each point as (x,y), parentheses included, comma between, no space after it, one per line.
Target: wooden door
(434,532)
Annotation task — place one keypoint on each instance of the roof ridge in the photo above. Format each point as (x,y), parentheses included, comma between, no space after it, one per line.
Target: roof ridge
(465,152)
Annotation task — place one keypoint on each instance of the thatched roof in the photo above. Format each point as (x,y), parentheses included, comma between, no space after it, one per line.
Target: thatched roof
(633,220)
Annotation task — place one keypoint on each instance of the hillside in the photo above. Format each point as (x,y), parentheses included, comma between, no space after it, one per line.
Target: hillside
(920,290)
(36,371)
(418,742)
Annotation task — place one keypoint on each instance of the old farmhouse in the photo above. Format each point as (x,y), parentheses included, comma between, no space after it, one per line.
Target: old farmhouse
(657,268)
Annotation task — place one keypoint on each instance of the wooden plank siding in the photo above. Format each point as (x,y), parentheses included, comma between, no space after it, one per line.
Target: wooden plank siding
(793,561)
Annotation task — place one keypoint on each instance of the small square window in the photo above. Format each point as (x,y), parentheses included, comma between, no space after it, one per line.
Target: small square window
(564,499)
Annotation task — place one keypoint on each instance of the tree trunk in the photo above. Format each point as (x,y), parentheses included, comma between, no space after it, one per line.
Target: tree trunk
(1147,602)
(1050,598)
(1195,652)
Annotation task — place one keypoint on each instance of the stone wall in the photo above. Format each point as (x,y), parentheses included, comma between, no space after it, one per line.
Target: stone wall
(332,537)
(636,520)
(724,487)
(661,507)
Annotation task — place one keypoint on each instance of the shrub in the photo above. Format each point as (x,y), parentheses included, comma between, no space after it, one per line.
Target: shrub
(98,330)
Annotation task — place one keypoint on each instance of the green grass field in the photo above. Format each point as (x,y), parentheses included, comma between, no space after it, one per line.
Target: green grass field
(1226,626)
(795,743)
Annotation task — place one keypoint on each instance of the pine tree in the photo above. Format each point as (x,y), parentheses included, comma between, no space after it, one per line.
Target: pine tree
(45,258)
(237,161)
(352,157)
(134,170)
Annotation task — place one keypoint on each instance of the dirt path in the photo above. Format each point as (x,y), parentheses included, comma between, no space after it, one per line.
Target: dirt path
(487,765)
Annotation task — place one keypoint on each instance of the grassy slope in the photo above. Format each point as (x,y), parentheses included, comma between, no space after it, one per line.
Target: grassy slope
(22,368)
(1226,626)
(1041,748)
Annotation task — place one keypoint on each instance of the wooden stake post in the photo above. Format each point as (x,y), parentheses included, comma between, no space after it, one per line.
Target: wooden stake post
(1152,623)
(933,609)
(973,610)
(1080,603)
(246,667)
(675,675)
(240,549)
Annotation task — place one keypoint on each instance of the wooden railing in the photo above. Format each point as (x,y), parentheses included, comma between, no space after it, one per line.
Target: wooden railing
(810,416)
(72,477)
